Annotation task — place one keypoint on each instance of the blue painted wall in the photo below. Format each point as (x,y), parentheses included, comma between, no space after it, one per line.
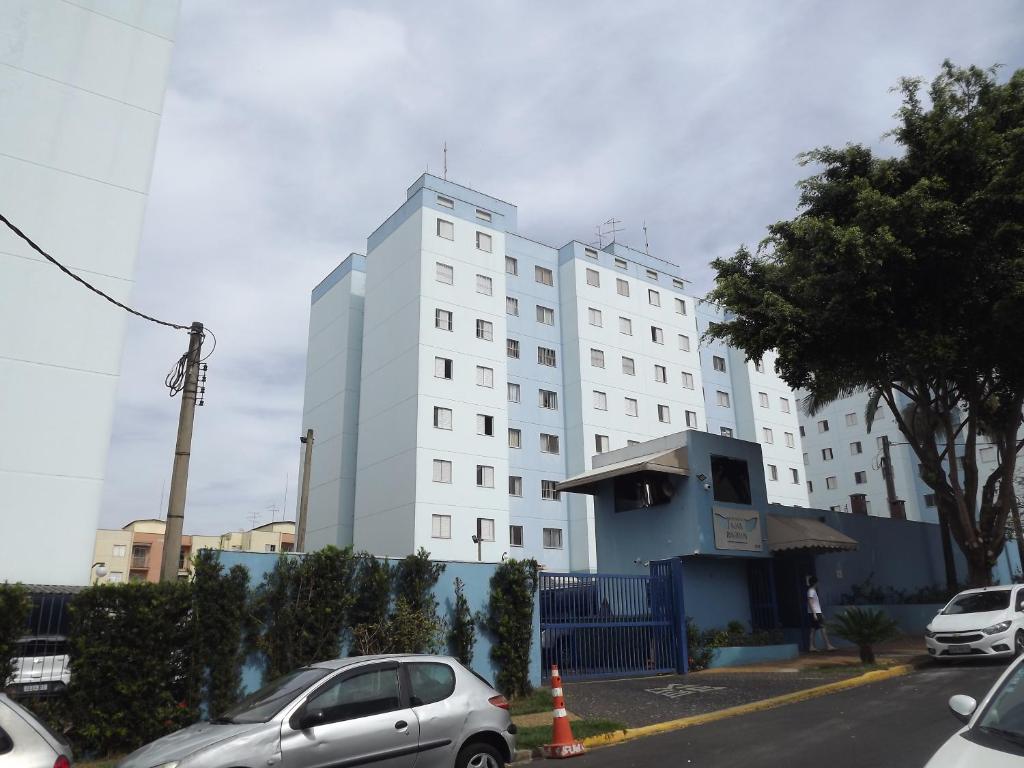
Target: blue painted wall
(476,577)
(715,591)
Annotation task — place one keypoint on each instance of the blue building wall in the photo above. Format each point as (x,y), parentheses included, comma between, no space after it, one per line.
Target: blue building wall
(476,577)
(715,591)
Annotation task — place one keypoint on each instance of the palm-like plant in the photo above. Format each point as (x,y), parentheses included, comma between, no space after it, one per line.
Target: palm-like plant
(864,627)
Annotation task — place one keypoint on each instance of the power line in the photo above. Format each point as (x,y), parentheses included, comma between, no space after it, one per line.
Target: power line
(92,288)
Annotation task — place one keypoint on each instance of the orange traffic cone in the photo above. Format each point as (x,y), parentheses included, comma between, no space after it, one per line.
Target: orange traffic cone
(562,743)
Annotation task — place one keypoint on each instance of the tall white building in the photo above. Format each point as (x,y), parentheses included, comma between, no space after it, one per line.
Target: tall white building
(460,370)
(81,92)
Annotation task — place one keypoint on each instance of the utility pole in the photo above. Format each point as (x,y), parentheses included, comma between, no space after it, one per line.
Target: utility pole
(182,454)
(895,505)
(307,462)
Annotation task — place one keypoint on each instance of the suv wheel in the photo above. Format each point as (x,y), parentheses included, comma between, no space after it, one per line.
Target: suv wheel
(478,754)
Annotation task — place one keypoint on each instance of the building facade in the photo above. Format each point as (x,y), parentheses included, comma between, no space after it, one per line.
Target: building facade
(135,552)
(459,371)
(83,87)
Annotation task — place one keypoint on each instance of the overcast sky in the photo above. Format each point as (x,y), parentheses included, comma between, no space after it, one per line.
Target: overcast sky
(291,129)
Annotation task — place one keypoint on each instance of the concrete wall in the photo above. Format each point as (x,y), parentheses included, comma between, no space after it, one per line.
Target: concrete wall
(715,591)
(476,577)
(83,86)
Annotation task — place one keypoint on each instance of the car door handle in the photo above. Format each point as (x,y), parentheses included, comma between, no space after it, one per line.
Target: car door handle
(401,725)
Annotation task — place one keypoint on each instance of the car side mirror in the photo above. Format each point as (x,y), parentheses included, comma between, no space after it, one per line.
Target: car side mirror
(962,707)
(306,718)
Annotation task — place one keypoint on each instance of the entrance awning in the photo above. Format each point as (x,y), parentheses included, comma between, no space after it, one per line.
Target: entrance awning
(666,462)
(805,533)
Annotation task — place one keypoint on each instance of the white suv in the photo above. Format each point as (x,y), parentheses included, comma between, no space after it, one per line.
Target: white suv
(985,622)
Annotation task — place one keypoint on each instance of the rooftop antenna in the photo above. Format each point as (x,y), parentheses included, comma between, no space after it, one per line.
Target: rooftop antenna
(254,517)
(273,509)
(647,246)
(600,236)
(445,149)
(612,228)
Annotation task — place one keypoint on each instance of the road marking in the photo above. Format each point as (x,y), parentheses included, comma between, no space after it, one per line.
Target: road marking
(678,690)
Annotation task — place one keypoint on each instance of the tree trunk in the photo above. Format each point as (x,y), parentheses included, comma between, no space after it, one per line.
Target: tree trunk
(867,654)
(979,570)
(1015,513)
(952,585)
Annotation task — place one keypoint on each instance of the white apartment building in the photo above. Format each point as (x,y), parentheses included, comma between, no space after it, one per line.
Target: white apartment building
(459,370)
(82,87)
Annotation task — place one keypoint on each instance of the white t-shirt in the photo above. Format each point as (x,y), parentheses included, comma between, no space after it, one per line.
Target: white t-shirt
(813,604)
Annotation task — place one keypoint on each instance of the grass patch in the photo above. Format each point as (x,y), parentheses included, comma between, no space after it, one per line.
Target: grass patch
(529,738)
(538,701)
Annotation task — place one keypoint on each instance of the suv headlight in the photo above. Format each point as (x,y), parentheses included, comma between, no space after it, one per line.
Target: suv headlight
(928,632)
(995,629)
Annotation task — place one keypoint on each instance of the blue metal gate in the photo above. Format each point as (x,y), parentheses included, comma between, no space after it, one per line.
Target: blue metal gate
(599,625)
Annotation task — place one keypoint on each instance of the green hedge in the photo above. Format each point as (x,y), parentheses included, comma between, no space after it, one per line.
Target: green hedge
(15,607)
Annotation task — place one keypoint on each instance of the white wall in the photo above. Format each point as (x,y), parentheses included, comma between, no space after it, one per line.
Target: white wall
(83,88)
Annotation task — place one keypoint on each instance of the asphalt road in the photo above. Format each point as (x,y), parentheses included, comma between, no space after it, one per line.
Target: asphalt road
(898,723)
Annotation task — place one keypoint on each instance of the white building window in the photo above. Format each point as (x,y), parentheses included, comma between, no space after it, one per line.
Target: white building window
(601,443)
(443,368)
(620,263)
(628,366)
(547,399)
(677,283)
(681,306)
(485,330)
(597,358)
(443,319)
(442,471)
(823,425)
(652,274)
(807,459)
(769,435)
(810,487)
(631,407)
(548,443)
(657,335)
(445,273)
(513,392)
(545,315)
(684,343)
(763,399)
(515,535)
(625,326)
(860,478)
(687,380)
(600,401)
(543,275)
(485,425)
(511,266)
(718,363)
(660,374)
(590,253)
(929,499)
(987,454)
(485,285)
(445,229)
(511,306)
(759,366)
(621,287)
(119,550)
(484,376)
(593,278)
(794,476)
(515,485)
(548,491)
(773,472)
(664,415)
(725,431)
(446,202)
(826,454)
(515,438)
(442,417)
(483,215)
(483,242)
(546,356)
(594,316)
(851,419)
(653,297)
(856,448)
(115,577)
(831,483)
(512,348)
(484,476)
(441,526)
(722,398)
(691,419)
(784,404)
(552,538)
(486,527)
(790,440)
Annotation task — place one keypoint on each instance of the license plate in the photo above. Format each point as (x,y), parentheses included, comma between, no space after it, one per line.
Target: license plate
(37,687)
(959,649)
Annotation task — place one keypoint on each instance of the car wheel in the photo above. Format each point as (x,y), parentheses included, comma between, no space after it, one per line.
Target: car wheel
(478,754)
(1018,643)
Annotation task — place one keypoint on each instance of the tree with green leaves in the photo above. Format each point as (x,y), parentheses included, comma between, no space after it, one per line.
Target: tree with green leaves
(903,277)
(462,634)
(509,620)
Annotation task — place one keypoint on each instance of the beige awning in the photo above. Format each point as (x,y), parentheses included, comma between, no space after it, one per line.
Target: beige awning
(788,533)
(667,462)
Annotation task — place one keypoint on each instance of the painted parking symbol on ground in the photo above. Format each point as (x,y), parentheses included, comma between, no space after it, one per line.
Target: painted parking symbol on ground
(678,690)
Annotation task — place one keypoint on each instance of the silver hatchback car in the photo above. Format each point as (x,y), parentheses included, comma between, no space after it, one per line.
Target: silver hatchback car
(26,743)
(391,711)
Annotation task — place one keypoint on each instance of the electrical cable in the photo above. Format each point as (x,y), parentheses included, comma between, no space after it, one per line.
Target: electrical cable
(92,288)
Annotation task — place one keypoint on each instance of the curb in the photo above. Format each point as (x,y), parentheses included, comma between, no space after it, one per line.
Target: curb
(619,737)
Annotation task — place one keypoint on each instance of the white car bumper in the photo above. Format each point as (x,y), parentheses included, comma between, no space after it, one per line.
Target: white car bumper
(960,645)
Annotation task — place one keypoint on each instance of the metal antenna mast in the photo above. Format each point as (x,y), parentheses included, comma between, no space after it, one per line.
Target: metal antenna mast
(445,150)
(647,246)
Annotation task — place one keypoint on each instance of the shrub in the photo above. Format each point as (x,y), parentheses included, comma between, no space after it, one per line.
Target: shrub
(15,607)
(509,619)
(700,654)
(373,591)
(864,627)
(405,630)
(415,578)
(462,635)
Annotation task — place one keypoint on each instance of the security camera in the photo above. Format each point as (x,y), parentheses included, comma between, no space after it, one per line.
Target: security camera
(637,561)
(707,486)
(476,539)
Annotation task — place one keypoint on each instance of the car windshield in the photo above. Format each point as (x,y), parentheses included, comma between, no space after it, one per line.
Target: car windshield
(1004,716)
(979,602)
(262,705)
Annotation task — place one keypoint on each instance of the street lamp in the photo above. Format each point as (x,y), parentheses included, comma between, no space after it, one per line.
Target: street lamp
(100,569)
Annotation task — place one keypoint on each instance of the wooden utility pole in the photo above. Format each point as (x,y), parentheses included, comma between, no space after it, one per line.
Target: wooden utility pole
(182,454)
(307,463)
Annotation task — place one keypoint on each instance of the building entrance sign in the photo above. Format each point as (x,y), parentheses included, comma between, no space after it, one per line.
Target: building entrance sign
(737,529)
